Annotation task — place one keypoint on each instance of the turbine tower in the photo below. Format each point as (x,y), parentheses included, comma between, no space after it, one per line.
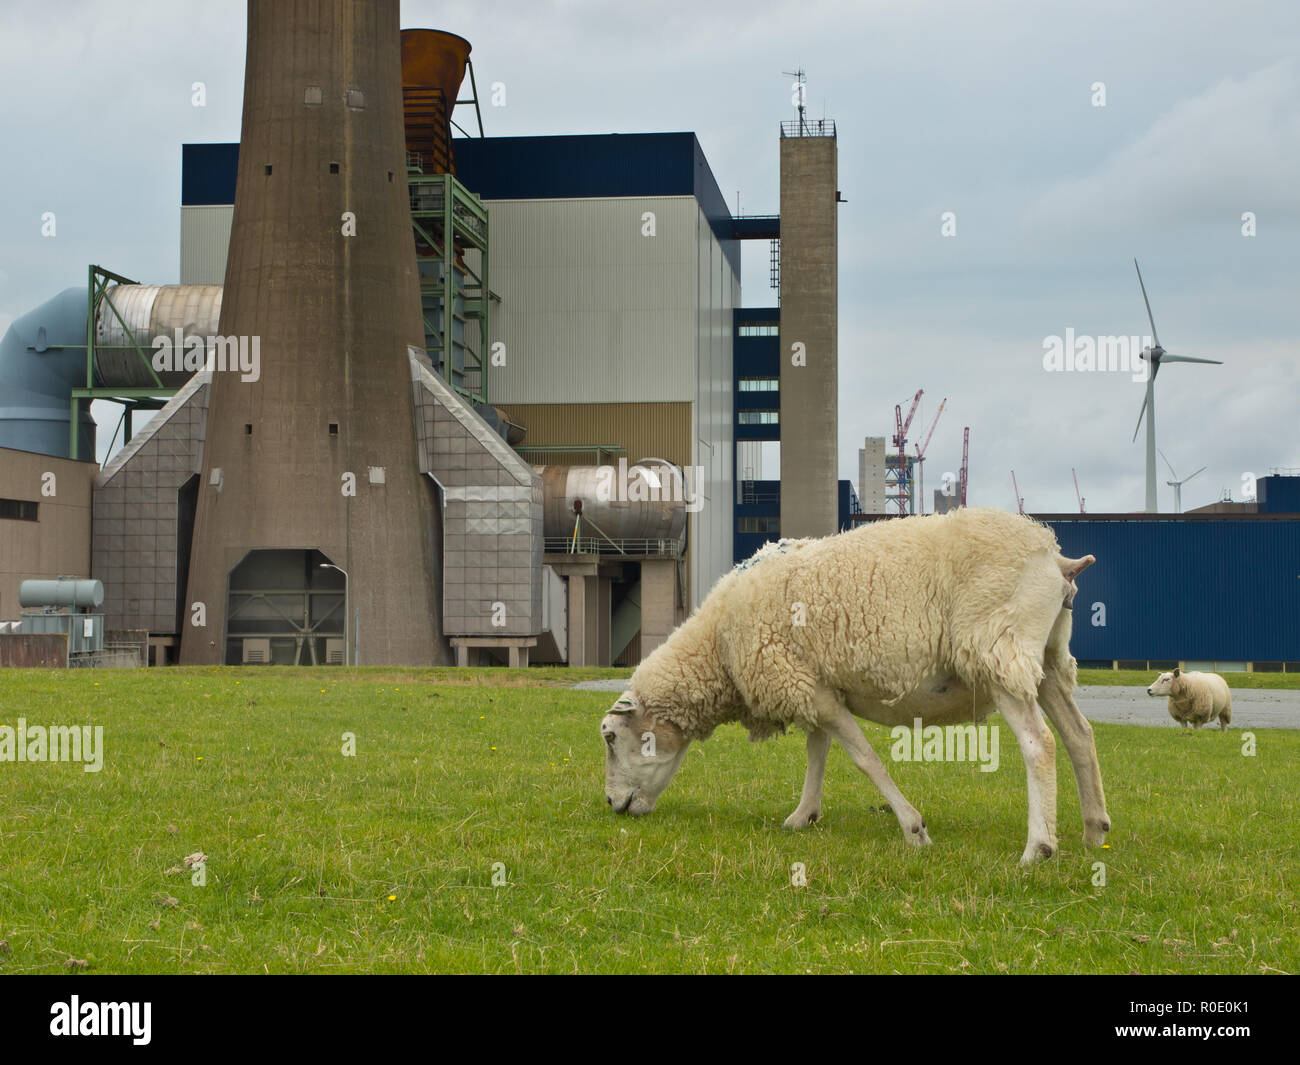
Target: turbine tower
(1155,355)
(1176,484)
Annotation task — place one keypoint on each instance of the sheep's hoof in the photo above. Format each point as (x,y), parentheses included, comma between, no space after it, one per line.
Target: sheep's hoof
(1094,834)
(918,836)
(1037,852)
(802,818)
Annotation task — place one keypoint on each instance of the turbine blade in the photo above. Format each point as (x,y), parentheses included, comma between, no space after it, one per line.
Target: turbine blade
(1140,414)
(1152,321)
(1191,475)
(1189,358)
(1167,463)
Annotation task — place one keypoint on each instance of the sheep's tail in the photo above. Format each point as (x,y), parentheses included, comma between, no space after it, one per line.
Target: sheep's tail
(1072,567)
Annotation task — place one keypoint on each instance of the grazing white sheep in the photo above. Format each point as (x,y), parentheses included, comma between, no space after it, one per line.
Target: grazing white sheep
(1195,699)
(942,618)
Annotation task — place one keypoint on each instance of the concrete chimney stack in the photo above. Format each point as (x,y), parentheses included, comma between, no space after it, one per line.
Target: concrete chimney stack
(310,459)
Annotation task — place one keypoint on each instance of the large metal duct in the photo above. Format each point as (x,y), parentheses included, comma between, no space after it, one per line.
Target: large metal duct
(603,493)
(433,66)
(43,356)
(42,359)
(150,311)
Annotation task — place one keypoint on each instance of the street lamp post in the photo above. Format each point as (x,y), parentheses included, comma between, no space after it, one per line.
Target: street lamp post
(347,588)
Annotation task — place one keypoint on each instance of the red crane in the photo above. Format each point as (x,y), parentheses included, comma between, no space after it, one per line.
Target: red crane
(1020,503)
(1076,490)
(921,449)
(903,480)
(965,460)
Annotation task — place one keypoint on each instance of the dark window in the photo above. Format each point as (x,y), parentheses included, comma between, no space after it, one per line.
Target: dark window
(18,509)
(334,168)
(334,428)
(268,169)
(761,524)
(248,429)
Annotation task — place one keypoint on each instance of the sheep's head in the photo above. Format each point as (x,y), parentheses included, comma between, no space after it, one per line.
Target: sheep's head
(642,754)
(1164,684)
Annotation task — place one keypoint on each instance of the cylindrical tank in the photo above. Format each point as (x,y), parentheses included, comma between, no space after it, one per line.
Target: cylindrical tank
(645,501)
(150,311)
(67,591)
(433,66)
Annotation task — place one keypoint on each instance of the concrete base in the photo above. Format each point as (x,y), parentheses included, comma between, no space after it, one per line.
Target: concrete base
(590,580)
(468,648)
(659,613)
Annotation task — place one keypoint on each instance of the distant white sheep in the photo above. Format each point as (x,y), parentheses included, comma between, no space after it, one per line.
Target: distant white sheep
(943,618)
(1195,699)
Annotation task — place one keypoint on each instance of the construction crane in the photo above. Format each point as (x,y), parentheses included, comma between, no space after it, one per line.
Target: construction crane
(1020,503)
(1076,490)
(965,461)
(903,478)
(921,449)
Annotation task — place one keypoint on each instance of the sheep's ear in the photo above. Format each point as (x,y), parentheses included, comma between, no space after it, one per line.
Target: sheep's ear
(1177,671)
(626,704)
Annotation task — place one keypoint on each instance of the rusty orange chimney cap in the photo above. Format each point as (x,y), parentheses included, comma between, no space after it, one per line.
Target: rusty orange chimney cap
(430,56)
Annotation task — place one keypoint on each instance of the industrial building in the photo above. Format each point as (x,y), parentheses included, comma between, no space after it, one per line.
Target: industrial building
(514,435)
(419,399)
(1207,590)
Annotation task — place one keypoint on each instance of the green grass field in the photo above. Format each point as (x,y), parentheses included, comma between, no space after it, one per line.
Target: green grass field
(1138,677)
(384,862)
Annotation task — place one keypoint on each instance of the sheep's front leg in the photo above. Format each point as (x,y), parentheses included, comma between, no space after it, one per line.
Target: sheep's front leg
(836,720)
(1038,749)
(810,802)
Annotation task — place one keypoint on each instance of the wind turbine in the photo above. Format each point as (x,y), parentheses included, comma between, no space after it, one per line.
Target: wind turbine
(1155,355)
(1176,484)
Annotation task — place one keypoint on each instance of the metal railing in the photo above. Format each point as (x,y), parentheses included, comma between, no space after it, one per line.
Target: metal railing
(751,493)
(593,545)
(808,127)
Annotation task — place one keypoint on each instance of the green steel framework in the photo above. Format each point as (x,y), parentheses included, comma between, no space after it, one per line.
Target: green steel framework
(449,219)
(98,282)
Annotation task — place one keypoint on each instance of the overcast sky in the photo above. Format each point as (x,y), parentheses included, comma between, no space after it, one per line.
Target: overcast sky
(984,109)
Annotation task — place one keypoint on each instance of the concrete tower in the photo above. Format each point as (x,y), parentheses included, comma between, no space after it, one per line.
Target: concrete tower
(315,462)
(809,313)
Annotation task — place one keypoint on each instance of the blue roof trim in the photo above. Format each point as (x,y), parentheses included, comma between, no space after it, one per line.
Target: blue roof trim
(587,166)
(594,166)
(208,174)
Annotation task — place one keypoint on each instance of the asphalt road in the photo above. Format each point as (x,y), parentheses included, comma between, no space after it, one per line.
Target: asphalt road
(1251,707)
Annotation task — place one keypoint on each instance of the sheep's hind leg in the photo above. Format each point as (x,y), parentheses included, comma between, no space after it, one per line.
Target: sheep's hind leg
(1056,696)
(810,802)
(838,723)
(1038,749)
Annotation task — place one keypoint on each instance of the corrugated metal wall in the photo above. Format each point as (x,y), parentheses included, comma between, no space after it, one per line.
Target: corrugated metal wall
(713,526)
(1190,589)
(205,240)
(647,430)
(591,309)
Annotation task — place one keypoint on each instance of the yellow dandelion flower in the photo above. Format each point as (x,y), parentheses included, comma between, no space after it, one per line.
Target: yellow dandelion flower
(392,898)
(200,758)
(491,748)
